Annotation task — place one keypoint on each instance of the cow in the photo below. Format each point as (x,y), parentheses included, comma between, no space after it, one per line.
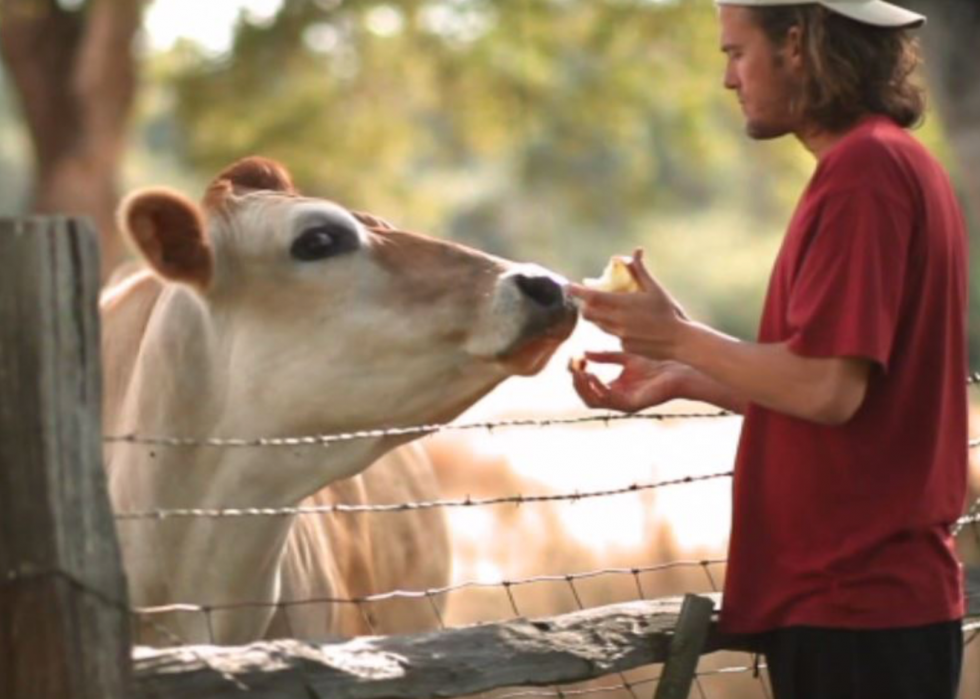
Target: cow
(262,312)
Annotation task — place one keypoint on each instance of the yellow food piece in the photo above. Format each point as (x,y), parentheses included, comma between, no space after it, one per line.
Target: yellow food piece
(616,277)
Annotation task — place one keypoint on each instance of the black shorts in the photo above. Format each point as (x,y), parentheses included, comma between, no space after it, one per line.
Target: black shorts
(906,663)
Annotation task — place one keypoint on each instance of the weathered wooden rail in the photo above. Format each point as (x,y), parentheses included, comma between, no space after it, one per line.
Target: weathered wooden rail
(522,652)
(63,610)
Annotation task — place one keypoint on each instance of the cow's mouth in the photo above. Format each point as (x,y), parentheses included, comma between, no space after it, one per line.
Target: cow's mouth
(538,343)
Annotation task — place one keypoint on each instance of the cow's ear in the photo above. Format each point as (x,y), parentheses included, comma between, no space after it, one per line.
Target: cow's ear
(253,173)
(256,173)
(168,229)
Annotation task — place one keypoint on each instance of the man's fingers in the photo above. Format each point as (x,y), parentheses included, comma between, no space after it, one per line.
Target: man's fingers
(607,357)
(588,387)
(647,281)
(579,291)
(604,317)
(589,297)
(642,275)
(593,392)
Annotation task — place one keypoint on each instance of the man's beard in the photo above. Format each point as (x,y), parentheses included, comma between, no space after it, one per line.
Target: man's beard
(762,131)
(787,121)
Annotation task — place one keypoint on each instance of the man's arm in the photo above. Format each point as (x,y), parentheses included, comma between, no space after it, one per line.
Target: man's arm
(646,383)
(828,391)
(725,371)
(696,385)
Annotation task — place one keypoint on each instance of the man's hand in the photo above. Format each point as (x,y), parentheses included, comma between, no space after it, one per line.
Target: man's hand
(646,322)
(724,371)
(642,383)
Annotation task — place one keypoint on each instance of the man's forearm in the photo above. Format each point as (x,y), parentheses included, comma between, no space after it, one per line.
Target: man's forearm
(826,391)
(696,385)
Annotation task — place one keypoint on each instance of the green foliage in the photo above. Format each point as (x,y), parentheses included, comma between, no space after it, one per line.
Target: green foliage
(561,131)
(14,155)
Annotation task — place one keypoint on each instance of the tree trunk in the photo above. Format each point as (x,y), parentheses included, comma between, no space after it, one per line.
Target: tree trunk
(952,54)
(75,72)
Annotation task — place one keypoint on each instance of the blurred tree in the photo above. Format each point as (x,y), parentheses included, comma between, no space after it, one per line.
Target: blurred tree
(540,128)
(953,70)
(73,68)
(14,158)
(952,50)
(560,130)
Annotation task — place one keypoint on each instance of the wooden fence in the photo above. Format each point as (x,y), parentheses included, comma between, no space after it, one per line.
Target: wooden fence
(64,616)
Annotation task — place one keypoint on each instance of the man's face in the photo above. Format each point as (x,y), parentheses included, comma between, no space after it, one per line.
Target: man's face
(764,77)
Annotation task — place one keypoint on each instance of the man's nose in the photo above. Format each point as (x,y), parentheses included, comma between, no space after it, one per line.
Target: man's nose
(729,79)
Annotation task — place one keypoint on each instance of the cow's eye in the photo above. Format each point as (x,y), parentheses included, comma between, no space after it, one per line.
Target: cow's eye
(321,242)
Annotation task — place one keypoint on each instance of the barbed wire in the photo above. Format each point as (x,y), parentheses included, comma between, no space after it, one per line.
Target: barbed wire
(973,517)
(634,571)
(430,592)
(408,506)
(325,440)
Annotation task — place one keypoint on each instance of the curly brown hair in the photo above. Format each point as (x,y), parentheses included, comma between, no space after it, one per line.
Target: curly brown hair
(852,69)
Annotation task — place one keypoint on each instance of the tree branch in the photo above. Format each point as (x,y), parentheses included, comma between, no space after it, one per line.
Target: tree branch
(105,78)
(38,41)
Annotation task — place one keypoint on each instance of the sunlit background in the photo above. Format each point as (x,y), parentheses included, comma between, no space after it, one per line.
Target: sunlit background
(558,131)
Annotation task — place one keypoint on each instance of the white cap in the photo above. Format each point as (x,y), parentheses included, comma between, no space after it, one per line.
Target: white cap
(874,12)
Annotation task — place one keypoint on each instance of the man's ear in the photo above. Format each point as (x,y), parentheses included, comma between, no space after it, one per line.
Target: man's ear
(168,230)
(793,47)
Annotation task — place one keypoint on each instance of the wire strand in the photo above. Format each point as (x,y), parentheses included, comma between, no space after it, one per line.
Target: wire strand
(325,440)
(408,506)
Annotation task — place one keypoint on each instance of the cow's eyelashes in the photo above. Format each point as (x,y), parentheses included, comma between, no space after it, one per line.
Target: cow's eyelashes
(321,242)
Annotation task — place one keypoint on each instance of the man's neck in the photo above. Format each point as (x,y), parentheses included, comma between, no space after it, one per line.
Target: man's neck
(818,141)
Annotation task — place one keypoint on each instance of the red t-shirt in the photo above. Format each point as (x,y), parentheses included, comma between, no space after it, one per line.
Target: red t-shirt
(849,526)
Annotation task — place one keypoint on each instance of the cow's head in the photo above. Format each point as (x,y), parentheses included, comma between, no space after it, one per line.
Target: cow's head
(325,313)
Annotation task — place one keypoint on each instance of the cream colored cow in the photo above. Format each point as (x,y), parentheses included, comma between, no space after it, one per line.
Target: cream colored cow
(265,313)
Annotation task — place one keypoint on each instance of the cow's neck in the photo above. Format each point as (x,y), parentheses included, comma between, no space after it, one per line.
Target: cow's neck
(208,561)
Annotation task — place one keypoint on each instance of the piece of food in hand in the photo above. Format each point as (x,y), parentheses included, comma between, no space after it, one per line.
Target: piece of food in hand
(616,277)
(577,364)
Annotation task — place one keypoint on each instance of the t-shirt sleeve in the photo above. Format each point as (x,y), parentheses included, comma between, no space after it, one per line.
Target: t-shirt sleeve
(846,296)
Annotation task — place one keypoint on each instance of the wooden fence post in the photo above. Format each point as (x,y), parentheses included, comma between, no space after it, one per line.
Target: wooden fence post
(686,647)
(64,628)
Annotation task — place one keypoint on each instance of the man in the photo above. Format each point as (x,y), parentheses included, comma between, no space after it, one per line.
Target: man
(851,466)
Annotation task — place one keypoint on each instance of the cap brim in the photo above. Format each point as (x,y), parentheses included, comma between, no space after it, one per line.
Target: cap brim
(877,13)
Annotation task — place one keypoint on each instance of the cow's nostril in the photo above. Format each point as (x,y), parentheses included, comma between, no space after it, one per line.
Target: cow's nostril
(544,291)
